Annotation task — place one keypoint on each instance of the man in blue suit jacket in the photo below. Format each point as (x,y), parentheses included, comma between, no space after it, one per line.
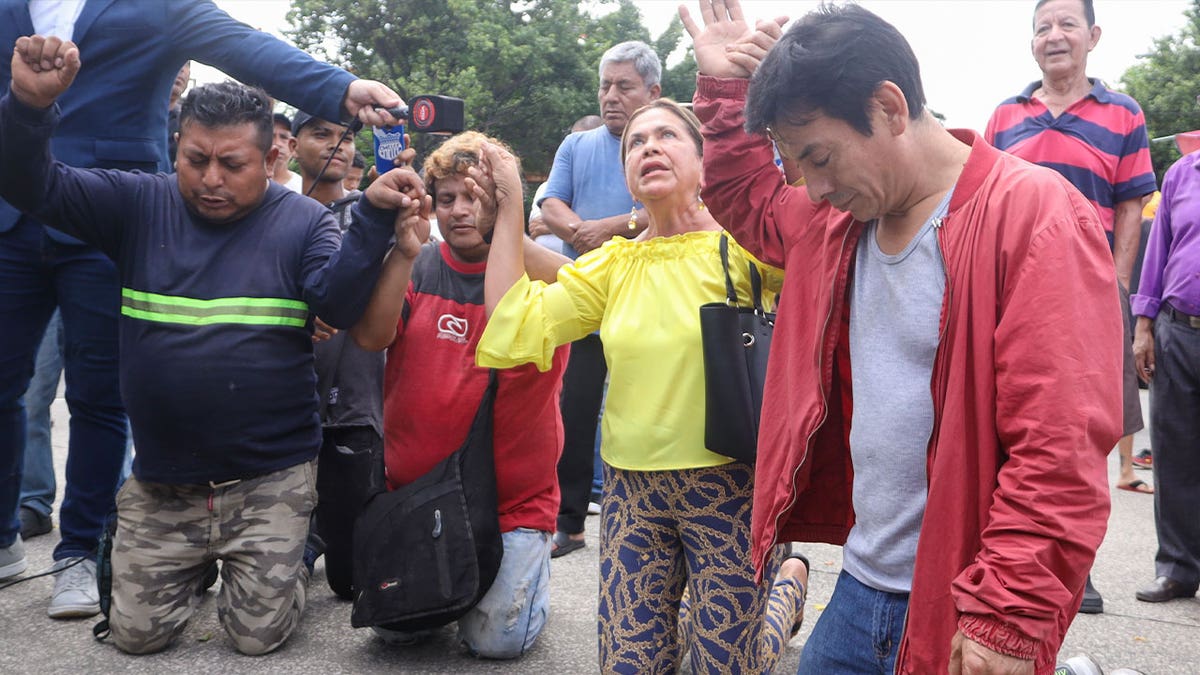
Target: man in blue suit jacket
(115,117)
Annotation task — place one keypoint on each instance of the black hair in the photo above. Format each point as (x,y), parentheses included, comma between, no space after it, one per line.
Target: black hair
(1089,12)
(280,118)
(226,104)
(832,61)
(360,161)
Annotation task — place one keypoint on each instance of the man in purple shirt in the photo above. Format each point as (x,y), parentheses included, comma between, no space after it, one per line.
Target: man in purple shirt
(1167,352)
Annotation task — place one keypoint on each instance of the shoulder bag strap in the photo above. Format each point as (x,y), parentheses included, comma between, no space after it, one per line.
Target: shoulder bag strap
(756,289)
(731,298)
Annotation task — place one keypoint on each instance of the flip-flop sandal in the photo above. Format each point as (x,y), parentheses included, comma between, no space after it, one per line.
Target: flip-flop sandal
(564,544)
(1139,486)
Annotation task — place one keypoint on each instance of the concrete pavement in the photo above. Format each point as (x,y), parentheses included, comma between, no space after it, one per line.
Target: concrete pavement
(1156,639)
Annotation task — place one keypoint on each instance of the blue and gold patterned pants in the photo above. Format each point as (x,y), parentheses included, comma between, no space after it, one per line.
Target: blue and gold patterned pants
(667,532)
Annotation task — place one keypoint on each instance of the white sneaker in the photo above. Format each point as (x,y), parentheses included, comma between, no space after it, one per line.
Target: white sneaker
(593,509)
(75,591)
(12,559)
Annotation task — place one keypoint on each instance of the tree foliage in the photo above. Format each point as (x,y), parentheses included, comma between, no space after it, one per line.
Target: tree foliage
(526,70)
(1165,83)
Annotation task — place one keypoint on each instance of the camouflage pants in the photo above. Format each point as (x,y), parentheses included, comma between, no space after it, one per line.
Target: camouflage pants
(167,535)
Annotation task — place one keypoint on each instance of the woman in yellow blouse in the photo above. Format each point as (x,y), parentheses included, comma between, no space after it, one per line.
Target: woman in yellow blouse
(675,515)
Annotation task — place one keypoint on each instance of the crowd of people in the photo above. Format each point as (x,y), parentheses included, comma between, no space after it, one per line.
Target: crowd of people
(258,334)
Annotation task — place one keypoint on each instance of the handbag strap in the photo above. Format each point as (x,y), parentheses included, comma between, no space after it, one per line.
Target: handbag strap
(731,298)
(756,289)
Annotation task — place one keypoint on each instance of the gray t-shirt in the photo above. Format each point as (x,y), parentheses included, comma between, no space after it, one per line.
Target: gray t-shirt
(895,306)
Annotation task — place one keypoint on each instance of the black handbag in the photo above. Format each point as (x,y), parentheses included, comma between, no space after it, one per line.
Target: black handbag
(427,552)
(737,341)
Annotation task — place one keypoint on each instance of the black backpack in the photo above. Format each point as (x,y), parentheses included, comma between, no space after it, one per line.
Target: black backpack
(426,553)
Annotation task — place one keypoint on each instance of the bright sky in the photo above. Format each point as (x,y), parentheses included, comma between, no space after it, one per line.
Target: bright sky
(973,53)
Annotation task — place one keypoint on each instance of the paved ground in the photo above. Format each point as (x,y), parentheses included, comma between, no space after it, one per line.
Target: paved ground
(1156,639)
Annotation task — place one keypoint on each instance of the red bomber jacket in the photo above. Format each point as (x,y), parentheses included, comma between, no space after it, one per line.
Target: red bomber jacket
(1026,388)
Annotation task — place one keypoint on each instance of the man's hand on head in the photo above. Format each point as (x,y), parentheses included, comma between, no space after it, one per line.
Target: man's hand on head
(42,69)
(365,98)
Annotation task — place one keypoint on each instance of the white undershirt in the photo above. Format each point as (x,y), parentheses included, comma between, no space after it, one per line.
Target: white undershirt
(55,17)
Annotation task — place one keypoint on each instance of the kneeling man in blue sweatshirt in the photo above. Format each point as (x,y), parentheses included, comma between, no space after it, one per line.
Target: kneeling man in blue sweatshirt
(221,273)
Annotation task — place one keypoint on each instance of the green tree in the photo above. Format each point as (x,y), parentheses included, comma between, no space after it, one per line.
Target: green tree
(1165,83)
(679,80)
(526,70)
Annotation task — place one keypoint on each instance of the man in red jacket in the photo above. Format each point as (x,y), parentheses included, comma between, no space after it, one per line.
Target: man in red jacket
(944,383)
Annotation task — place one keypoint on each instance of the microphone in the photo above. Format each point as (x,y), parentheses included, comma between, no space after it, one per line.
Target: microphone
(432,114)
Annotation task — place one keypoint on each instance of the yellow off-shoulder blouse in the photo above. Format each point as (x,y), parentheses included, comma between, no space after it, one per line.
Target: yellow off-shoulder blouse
(644,297)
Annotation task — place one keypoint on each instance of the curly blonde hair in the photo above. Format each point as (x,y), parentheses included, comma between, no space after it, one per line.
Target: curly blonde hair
(456,155)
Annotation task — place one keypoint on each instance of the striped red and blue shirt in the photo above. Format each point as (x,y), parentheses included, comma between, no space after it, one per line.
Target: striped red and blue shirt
(1099,143)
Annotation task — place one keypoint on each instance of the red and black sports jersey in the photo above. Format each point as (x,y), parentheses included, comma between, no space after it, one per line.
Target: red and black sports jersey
(432,388)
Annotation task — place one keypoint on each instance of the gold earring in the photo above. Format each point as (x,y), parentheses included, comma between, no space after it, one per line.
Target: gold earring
(633,218)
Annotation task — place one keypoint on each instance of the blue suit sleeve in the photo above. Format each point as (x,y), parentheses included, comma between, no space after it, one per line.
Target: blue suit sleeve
(84,203)
(338,281)
(204,32)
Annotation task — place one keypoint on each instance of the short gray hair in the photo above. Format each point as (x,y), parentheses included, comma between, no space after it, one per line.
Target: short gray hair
(644,60)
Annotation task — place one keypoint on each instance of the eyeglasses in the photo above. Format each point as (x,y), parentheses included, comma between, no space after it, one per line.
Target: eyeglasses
(780,145)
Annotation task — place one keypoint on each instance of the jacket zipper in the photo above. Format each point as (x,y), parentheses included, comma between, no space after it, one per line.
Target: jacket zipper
(938,360)
(824,400)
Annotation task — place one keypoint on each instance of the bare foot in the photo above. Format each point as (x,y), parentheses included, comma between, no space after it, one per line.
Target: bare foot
(1127,476)
(793,568)
(1136,485)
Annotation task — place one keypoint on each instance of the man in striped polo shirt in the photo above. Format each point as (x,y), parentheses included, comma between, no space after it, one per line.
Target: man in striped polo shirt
(1097,139)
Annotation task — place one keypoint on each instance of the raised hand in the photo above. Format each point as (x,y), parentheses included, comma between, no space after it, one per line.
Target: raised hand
(402,190)
(412,231)
(727,46)
(42,69)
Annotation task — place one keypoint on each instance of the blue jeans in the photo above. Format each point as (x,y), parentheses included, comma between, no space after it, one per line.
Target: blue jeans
(37,274)
(38,486)
(511,615)
(597,462)
(859,632)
